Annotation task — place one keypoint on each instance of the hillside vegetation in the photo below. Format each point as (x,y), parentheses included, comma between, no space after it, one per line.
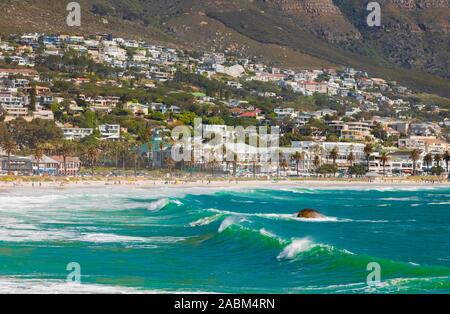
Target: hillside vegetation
(411,47)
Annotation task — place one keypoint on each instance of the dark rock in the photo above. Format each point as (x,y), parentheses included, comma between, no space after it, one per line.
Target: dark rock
(310,214)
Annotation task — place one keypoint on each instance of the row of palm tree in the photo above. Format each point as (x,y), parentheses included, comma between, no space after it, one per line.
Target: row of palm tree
(129,150)
(90,152)
(428,159)
(384,158)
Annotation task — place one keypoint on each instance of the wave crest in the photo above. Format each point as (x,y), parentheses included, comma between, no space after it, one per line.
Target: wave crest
(160,204)
(296,247)
(229,221)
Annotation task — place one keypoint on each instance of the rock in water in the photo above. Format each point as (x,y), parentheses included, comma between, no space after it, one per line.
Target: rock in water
(310,214)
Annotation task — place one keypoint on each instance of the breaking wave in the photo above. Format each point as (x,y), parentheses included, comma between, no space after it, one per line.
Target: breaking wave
(162,203)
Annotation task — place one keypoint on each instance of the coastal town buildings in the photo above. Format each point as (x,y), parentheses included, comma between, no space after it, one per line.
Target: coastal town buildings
(138,89)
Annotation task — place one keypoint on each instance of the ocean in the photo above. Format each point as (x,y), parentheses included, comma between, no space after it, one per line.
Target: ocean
(213,240)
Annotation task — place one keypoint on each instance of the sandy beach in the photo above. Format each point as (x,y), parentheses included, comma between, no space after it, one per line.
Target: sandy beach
(219,183)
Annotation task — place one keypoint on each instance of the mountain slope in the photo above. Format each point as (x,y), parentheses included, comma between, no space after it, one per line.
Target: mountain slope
(410,47)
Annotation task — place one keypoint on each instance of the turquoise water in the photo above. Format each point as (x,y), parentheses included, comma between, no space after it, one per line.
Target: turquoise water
(217,240)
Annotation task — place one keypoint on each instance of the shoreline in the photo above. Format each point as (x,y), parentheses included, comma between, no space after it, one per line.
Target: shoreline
(206,183)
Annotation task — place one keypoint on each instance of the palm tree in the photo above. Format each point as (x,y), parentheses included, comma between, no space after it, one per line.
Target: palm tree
(191,162)
(384,158)
(135,156)
(415,155)
(38,154)
(161,149)
(235,163)
(318,151)
(214,163)
(317,163)
(169,163)
(438,159)
(298,157)
(9,146)
(66,149)
(334,154)
(279,160)
(351,158)
(284,164)
(446,158)
(368,150)
(124,152)
(428,159)
(92,153)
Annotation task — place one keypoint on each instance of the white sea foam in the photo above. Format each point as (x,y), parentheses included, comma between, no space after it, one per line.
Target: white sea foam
(107,238)
(161,203)
(229,221)
(205,221)
(271,235)
(158,205)
(20,285)
(242,202)
(401,199)
(300,191)
(279,216)
(395,285)
(17,234)
(10,285)
(296,247)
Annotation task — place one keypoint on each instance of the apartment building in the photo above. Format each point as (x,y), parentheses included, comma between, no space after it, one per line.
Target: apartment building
(72,133)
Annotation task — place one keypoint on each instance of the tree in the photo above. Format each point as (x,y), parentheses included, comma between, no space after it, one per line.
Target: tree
(316,163)
(318,151)
(92,152)
(169,163)
(437,171)
(384,158)
(328,169)
(135,156)
(66,149)
(9,146)
(438,159)
(368,150)
(334,154)
(428,160)
(284,164)
(446,158)
(38,154)
(235,163)
(31,134)
(415,155)
(32,105)
(351,158)
(113,150)
(358,170)
(298,157)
